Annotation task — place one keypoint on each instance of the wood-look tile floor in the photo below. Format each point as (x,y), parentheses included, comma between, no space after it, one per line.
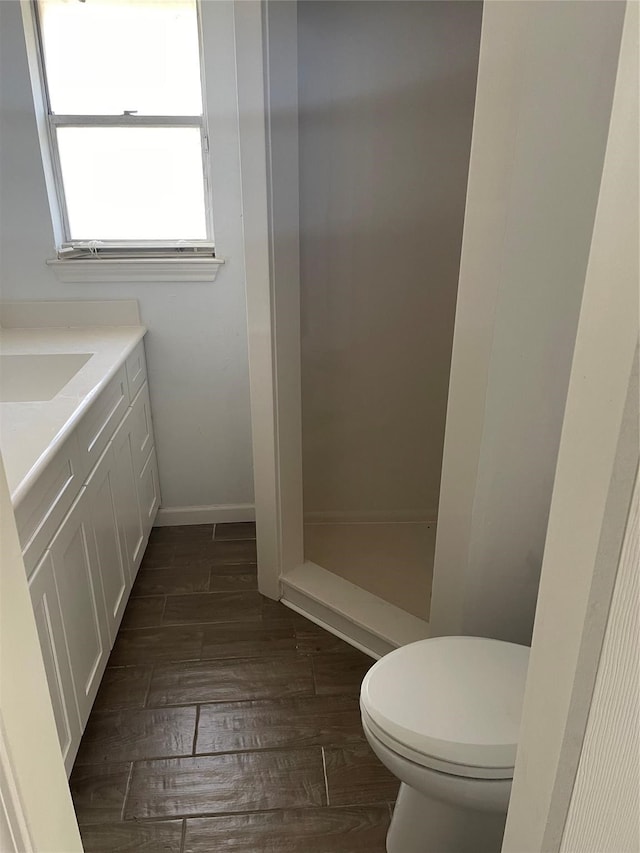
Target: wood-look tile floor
(225,721)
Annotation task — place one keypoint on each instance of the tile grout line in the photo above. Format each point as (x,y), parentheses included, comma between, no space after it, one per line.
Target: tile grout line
(195,731)
(164,607)
(187,816)
(248,750)
(313,669)
(126,792)
(201,632)
(183,836)
(148,690)
(324,772)
(270,750)
(234,574)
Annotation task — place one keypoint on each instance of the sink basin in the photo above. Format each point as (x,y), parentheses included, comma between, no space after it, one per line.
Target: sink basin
(37,378)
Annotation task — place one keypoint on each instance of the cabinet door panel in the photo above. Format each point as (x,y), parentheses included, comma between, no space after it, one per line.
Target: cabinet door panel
(48,501)
(136,370)
(46,608)
(77,576)
(149,493)
(101,420)
(142,428)
(125,483)
(114,575)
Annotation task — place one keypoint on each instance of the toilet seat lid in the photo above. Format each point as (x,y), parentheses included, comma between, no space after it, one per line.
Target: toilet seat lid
(453,699)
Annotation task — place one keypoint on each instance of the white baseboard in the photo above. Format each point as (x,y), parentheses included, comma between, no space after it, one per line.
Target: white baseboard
(170,516)
(360,618)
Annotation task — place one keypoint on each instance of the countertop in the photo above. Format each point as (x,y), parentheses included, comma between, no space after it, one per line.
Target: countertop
(32,432)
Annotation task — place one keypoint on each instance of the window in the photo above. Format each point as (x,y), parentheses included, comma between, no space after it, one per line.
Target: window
(123,99)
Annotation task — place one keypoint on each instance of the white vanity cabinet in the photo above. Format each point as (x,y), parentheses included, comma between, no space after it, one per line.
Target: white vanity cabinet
(102,497)
(46,608)
(144,460)
(82,564)
(132,536)
(77,575)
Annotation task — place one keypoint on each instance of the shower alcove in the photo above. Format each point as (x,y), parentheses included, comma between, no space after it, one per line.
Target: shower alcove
(354,198)
(370,108)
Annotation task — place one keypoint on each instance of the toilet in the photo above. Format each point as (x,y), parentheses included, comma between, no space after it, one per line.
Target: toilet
(443,715)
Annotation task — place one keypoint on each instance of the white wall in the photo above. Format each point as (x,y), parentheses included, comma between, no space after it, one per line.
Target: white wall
(386,93)
(592,496)
(545,85)
(197,340)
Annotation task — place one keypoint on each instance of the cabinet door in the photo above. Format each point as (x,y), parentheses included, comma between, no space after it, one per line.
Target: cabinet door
(77,575)
(149,493)
(46,608)
(142,427)
(114,575)
(125,485)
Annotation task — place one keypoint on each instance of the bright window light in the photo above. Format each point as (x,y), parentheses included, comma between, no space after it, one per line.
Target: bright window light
(107,56)
(128,133)
(121,166)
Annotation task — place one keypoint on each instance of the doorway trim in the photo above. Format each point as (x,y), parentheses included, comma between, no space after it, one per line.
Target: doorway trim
(266,39)
(254,184)
(267,107)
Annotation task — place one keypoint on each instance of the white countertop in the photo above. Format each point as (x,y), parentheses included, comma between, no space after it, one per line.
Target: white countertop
(32,432)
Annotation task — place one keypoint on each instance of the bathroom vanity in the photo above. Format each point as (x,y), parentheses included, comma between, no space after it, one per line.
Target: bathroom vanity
(79,451)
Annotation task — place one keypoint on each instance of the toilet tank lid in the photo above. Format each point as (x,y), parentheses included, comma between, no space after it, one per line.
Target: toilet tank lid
(455,699)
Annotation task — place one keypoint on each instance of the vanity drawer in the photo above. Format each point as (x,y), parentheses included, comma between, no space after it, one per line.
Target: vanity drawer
(39,515)
(142,428)
(136,370)
(100,422)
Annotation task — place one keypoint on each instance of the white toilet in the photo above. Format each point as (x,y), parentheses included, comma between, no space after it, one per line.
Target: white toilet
(443,715)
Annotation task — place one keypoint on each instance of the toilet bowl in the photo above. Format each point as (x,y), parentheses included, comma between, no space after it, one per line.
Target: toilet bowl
(443,715)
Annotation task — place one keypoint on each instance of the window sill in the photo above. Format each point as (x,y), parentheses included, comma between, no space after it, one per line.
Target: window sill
(136,269)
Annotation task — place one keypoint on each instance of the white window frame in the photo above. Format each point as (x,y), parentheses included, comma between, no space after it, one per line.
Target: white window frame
(111,260)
